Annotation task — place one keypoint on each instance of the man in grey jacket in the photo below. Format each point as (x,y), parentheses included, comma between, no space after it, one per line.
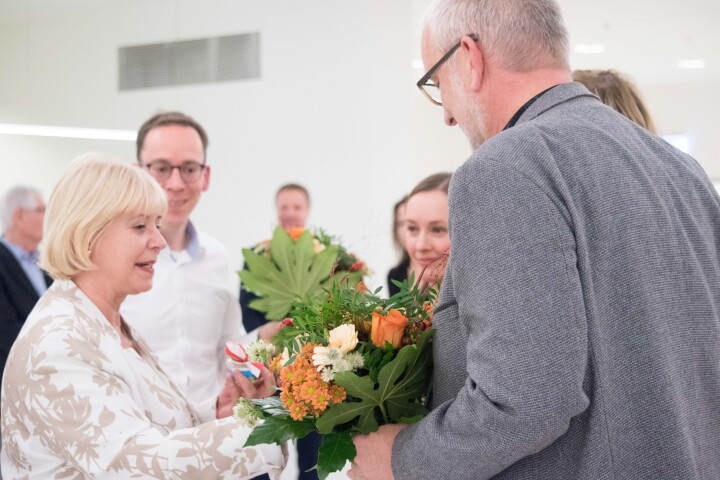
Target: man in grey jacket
(578,327)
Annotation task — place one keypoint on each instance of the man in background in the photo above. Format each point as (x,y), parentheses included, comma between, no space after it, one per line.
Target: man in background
(292,204)
(22,210)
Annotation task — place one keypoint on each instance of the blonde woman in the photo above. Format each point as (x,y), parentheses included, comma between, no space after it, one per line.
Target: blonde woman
(82,396)
(617,92)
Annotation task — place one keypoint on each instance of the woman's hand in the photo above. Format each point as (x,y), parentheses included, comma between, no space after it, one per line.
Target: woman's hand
(237,385)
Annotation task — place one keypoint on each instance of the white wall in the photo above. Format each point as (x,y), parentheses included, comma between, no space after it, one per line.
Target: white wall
(336,108)
(690,111)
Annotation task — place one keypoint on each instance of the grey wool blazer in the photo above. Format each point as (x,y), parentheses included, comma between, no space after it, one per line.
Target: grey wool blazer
(578,327)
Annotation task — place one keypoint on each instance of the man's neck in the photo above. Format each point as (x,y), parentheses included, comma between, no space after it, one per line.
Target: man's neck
(21,241)
(515,90)
(175,236)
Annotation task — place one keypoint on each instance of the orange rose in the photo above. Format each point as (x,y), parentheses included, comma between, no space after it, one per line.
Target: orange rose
(388,328)
(295,232)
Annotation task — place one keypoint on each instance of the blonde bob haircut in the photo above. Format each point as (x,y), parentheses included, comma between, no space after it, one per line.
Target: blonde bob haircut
(93,193)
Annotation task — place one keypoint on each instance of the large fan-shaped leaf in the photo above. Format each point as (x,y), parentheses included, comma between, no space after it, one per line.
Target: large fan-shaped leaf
(401,384)
(294,270)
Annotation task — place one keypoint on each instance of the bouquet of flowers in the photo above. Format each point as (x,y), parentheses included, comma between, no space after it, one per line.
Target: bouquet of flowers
(346,363)
(296,262)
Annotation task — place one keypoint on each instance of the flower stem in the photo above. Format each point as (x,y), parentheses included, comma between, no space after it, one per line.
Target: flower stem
(382,410)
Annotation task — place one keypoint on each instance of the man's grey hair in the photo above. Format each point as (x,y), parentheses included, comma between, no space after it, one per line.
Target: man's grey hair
(17,197)
(522,35)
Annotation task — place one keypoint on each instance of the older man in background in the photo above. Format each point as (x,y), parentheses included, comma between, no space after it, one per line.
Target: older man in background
(578,327)
(22,210)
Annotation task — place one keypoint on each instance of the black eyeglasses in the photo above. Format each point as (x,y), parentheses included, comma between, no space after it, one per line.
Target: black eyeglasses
(427,86)
(190,172)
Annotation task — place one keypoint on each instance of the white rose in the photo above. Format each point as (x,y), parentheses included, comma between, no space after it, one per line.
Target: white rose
(343,338)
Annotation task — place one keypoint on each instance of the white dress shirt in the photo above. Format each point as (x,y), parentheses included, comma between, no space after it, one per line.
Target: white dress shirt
(188,315)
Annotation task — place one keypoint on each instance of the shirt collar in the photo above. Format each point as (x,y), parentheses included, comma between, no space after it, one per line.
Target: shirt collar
(524,108)
(193,246)
(19,252)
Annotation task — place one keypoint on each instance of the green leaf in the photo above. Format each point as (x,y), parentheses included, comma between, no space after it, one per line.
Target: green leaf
(335,450)
(273,402)
(270,406)
(411,420)
(396,395)
(293,272)
(304,255)
(359,387)
(345,412)
(322,266)
(278,429)
(367,423)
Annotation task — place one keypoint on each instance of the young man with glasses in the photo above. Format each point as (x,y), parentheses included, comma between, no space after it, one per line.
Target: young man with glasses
(577,333)
(191,311)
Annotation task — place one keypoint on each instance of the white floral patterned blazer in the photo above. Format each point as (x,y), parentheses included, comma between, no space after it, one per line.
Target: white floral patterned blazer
(76,405)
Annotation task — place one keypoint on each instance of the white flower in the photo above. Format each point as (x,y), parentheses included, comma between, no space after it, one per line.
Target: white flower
(318,246)
(342,365)
(261,351)
(349,362)
(244,411)
(285,357)
(324,356)
(355,359)
(327,374)
(343,337)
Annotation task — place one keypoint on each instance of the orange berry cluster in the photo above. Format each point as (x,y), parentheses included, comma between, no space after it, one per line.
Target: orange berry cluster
(303,390)
(276,364)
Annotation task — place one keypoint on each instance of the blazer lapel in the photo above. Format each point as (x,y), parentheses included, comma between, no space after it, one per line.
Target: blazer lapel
(48,279)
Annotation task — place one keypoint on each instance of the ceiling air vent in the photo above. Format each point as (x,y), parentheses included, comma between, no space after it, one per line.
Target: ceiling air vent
(205,60)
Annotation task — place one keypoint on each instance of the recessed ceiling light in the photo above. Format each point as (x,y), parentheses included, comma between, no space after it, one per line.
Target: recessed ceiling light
(67,132)
(691,64)
(590,48)
(418,64)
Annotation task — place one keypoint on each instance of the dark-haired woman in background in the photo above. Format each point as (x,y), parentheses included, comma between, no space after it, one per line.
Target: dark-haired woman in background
(400,271)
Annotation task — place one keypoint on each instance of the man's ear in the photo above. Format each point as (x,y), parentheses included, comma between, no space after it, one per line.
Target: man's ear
(476,60)
(18,215)
(206,178)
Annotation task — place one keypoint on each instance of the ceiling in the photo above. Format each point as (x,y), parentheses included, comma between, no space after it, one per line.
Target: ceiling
(646,38)
(643,38)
